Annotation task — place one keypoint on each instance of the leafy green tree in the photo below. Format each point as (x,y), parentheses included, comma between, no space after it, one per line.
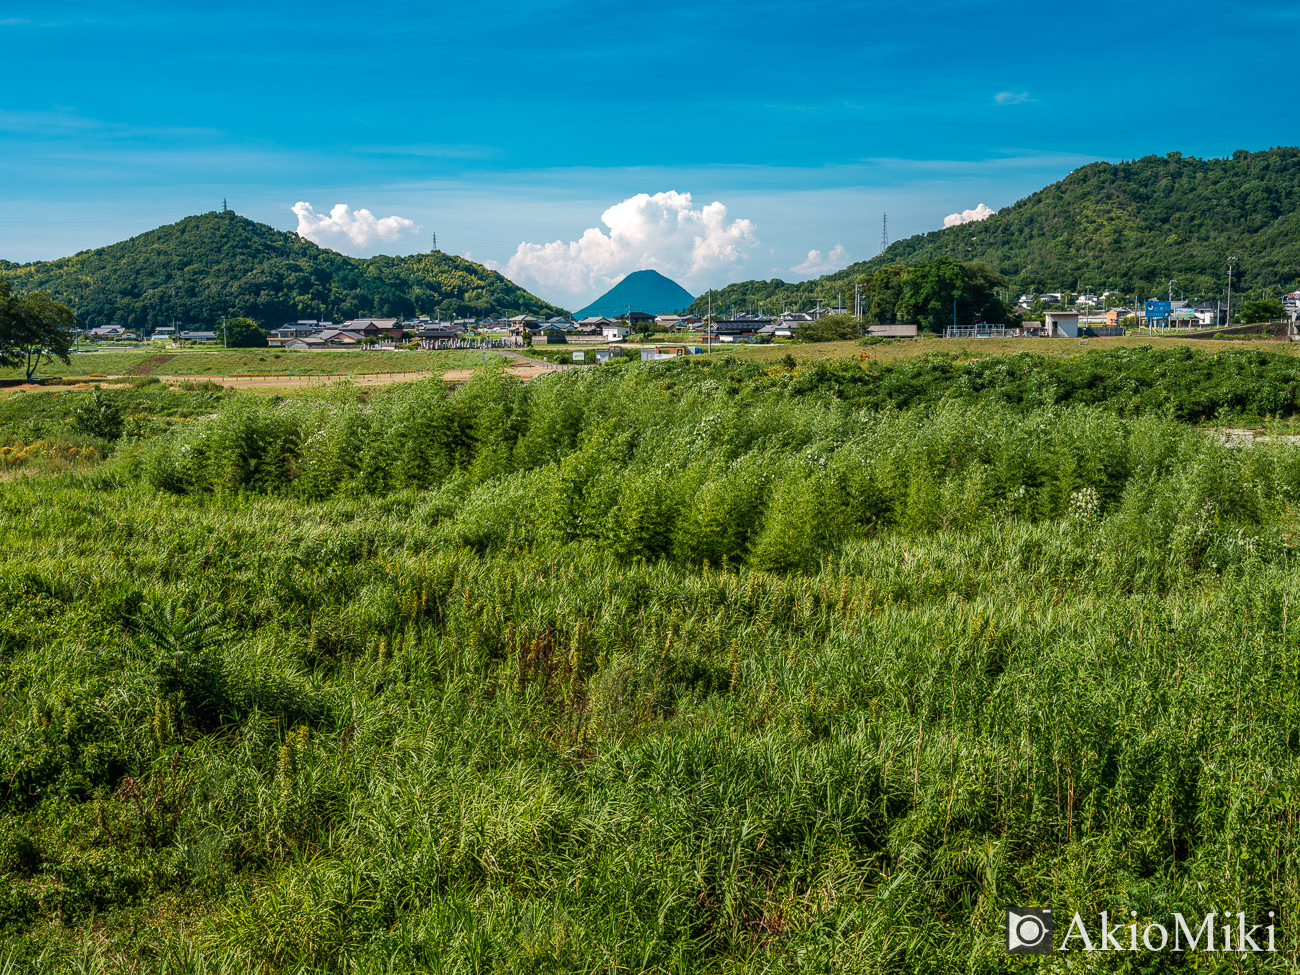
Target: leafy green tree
(947,292)
(33,328)
(242,333)
(1261,310)
(831,328)
(883,295)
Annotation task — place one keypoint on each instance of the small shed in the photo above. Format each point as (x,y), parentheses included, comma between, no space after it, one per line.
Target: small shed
(1059,324)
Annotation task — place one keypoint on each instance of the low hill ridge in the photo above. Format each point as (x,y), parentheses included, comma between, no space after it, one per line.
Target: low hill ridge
(213,265)
(1129,227)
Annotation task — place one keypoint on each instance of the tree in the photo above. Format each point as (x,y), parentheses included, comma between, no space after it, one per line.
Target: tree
(1261,310)
(945,292)
(33,328)
(829,328)
(242,333)
(884,293)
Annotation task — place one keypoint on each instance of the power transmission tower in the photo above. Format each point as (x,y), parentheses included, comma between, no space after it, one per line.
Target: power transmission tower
(884,232)
(435,243)
(224,208)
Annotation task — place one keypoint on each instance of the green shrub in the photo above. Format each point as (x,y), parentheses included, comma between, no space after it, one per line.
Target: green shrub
(98,416)
(20,852)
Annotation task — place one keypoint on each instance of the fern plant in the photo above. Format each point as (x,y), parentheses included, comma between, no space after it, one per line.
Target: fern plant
(184,650)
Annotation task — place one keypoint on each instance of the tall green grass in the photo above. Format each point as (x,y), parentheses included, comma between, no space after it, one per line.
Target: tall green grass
(641,671)
(652,464)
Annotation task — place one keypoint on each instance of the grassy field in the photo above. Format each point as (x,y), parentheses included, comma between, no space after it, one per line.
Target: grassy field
(892,350)
(218,363)
(679,667)
(260,361)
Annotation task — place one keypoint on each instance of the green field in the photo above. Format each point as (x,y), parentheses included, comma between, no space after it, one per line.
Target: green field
(692,666)
(257,361)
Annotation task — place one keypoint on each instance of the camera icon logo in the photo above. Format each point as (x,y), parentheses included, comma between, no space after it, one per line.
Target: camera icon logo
(1029,930)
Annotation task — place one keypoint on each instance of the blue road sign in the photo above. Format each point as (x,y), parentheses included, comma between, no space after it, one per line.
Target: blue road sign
(1157,309)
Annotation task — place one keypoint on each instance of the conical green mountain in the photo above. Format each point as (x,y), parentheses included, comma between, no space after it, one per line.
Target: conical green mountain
(646,291)
(1131,227)
(207,267)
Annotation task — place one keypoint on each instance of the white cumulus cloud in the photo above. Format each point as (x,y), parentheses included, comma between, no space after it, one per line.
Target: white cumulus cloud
(981,212)
(816,264)
(1013,98)
(664,232)
(361,228)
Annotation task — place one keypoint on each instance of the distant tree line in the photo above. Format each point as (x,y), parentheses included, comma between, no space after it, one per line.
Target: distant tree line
(933,294)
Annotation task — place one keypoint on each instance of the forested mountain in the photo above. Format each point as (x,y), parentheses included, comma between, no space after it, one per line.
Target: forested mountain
(219,264)
(1129,227)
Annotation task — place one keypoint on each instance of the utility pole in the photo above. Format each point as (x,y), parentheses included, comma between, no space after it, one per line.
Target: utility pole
(708,327)
(1228,317)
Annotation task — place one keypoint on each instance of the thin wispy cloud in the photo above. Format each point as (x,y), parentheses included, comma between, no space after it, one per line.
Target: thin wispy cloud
(435,151)
(1013,98)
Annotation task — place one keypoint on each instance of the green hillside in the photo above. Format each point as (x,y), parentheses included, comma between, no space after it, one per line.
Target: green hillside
(1130,227)
(219,264)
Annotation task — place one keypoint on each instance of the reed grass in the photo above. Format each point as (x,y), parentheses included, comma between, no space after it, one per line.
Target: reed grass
(641,670)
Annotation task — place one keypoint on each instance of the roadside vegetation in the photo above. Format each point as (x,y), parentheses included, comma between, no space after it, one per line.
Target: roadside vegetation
(691,666)
(217,362)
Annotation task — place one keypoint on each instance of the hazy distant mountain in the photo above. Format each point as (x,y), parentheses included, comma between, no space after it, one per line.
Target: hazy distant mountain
(1131,227)
(219,264)
(647,291)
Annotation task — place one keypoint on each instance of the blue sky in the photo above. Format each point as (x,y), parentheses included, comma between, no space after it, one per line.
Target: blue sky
(570,143)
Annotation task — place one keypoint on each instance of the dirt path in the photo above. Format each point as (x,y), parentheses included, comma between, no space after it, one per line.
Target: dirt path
(147,367)
(519,370)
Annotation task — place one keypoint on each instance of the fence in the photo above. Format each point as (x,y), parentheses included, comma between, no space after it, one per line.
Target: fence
(980,332)
(512,342)
(556,366)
